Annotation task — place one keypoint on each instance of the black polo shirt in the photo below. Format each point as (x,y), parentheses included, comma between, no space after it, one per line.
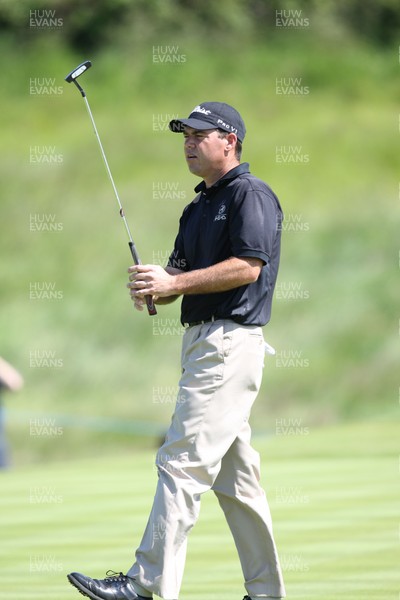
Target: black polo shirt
(238,216)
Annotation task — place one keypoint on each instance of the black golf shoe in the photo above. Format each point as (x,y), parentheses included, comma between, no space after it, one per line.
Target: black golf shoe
(272,598)
(114,587)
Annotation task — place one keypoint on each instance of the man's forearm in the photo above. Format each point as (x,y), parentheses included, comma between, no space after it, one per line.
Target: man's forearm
(229,274)
(165,285)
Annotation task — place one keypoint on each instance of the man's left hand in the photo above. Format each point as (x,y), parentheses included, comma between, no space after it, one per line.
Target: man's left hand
(150,280)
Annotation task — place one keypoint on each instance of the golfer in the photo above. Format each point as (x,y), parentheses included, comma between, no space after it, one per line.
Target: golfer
(224,265)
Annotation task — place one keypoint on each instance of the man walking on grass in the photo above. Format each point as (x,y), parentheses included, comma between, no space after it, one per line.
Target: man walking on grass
(224,265)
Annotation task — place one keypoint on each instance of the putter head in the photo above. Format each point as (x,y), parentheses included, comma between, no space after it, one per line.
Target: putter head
(78,71)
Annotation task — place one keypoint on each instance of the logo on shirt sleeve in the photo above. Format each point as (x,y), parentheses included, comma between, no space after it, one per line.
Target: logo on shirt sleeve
(221,216)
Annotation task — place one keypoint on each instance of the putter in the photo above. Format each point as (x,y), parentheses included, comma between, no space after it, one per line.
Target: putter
(72,78)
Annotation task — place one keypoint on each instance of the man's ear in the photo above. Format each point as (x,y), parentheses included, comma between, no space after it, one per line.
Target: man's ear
(231,139)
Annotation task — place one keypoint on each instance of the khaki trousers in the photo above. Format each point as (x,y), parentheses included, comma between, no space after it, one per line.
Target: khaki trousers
(208,447)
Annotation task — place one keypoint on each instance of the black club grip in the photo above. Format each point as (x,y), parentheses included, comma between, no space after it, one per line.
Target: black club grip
(151,309)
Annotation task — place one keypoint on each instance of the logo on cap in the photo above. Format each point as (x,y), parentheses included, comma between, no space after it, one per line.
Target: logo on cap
(202,110)
(227,126)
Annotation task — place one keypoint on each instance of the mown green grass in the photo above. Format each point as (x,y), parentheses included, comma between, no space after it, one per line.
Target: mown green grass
(333,494)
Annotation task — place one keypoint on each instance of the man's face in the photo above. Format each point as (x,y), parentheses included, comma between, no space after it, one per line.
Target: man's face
(205,151)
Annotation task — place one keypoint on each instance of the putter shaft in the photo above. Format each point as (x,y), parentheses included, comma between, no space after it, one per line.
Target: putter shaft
(71,78)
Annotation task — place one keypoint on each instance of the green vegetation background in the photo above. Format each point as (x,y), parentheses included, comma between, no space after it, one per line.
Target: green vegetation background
(340,245)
